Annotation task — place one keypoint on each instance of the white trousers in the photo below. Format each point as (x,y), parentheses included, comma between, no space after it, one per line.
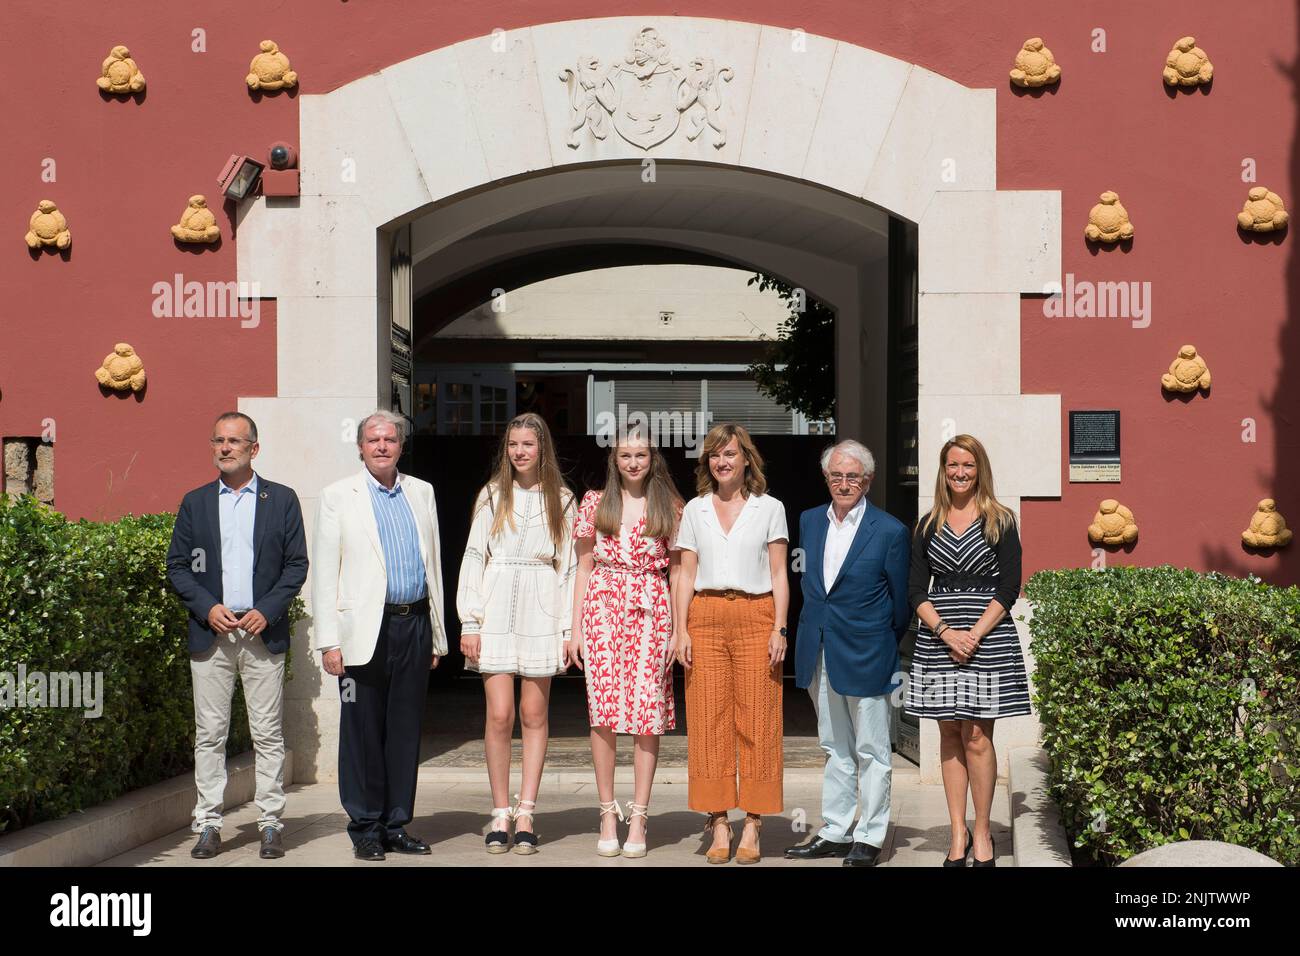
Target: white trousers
(213,673)
(854,735)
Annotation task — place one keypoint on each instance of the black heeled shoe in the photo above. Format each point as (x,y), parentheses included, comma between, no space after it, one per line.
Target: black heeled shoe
(970,842)
(991,861)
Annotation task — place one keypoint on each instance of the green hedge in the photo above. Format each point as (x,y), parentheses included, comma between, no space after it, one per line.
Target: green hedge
(1170,707)
(89,597)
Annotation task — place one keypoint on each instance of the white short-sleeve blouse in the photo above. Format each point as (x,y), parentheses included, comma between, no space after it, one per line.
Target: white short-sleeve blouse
(737,560)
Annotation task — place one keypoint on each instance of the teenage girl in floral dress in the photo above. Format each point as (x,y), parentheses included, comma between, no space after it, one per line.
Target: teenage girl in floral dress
(622,624)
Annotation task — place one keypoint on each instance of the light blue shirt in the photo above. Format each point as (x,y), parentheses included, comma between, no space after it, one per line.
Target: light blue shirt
(237,509)
(399,538)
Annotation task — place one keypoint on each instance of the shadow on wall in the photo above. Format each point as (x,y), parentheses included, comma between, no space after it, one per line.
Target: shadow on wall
(1283,407)
(302,690)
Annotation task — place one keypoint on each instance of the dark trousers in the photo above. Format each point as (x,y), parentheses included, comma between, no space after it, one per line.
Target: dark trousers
(379,729)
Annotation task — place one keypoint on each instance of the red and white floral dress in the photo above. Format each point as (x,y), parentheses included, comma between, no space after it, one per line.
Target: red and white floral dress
(627,628)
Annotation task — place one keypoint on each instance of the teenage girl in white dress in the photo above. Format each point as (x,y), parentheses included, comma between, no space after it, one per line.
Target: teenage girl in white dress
(515,600)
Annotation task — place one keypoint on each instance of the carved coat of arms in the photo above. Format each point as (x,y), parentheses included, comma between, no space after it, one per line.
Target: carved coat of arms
(646,96)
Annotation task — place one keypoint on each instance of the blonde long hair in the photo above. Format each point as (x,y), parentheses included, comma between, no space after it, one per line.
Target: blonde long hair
(718,437)
(556,496)
(662,501)
(997,518)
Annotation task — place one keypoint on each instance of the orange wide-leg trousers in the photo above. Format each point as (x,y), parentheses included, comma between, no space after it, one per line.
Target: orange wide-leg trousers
(733,706)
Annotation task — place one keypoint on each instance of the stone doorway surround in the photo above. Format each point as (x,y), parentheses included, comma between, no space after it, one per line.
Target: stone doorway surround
(383,149)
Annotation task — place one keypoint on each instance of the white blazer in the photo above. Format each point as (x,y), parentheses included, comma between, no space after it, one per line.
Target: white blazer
(348,576)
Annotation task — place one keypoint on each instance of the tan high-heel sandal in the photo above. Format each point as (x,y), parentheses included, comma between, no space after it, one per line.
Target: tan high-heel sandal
(610,847)
(745,855)
(634,851)
(715,855)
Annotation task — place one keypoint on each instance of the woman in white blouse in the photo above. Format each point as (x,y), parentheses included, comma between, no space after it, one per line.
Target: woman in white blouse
(514,599)
(730,616)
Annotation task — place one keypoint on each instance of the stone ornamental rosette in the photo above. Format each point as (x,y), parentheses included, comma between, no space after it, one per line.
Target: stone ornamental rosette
(1035,66)
(1263,211)
(647,95)
(1187,64)
(1108,221)
(1267,527)
(119,74)
(122,370)
(1112,525)
(48,229)
(270,69)
(197,224)
(1187,373)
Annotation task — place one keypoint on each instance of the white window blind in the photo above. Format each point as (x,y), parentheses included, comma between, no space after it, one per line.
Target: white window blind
(729,400)
(651,395)
(742,402)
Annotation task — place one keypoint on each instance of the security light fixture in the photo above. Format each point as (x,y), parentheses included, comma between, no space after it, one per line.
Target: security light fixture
(239,176)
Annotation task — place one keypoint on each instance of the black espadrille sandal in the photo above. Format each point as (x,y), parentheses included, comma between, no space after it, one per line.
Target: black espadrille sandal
(525,842)
(498,840)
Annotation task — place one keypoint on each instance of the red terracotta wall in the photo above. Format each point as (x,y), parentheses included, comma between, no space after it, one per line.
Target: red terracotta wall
(125,170)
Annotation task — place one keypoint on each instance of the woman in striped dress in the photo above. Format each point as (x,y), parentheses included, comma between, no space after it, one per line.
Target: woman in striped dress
(967,669)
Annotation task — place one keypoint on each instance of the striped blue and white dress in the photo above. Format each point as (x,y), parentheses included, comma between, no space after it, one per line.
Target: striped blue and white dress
(992,683)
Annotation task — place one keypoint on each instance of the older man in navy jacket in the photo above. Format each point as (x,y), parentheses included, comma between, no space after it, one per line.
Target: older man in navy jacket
(238,558)
(855,613)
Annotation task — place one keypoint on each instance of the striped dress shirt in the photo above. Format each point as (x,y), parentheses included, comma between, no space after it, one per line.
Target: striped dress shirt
(399,539)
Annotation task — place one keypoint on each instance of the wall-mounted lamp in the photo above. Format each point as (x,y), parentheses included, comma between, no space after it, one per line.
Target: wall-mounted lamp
(239,176)
(282,178)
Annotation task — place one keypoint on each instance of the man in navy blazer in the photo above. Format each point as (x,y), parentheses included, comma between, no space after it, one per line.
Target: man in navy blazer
(855,613)
(238,558)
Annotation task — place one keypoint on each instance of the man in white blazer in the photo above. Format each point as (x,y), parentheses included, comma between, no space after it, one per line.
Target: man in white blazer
(377,610)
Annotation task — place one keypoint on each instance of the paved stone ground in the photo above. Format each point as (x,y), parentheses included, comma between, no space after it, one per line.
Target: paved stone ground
(451,814)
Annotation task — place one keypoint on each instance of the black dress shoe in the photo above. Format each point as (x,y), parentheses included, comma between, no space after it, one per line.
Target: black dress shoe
(407,844)
(369,850)
(208,845)
(991,861)
(272,844)
(817,849)
(970,842)
(863,854)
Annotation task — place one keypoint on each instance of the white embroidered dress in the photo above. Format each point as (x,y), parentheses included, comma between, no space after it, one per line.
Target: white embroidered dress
(516,588)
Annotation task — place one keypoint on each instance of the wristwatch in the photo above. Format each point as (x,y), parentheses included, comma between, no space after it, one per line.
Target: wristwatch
(784,631)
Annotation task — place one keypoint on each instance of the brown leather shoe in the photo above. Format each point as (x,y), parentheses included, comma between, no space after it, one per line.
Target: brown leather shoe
(272,844)
(744,854)
(208,845)
(724,854)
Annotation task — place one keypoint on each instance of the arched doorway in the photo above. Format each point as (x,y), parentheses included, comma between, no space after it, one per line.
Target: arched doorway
(847,256)
(465,129)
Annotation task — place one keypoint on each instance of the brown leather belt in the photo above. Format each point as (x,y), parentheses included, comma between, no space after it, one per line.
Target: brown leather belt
(732,593)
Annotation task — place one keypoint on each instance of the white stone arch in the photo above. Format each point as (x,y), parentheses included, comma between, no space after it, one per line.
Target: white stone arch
(462,118)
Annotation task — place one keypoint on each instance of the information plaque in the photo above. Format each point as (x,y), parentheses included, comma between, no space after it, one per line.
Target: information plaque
(1094,446)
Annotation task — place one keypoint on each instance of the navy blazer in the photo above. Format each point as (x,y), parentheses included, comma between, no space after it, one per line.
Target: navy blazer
(279,560)
(861,621)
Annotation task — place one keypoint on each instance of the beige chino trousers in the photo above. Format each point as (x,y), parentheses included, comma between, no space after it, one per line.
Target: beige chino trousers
(213,671)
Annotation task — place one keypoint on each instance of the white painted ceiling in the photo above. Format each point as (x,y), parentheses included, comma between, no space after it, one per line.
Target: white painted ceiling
(696,206)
